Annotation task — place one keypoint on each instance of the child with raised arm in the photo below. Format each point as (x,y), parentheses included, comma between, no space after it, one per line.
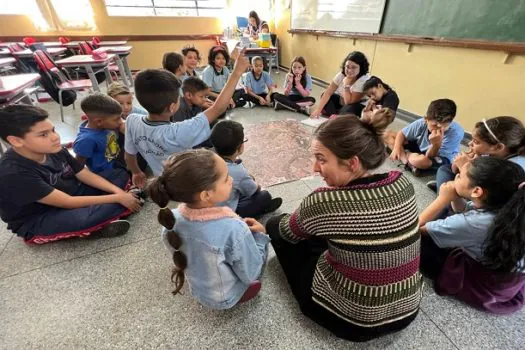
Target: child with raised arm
(154,136)
(220,255)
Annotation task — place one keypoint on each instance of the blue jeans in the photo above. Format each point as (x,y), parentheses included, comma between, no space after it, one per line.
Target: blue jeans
(444,174)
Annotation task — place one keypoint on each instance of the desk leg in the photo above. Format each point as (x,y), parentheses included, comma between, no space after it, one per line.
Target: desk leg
(93,79)
(109,79)
(122,70)
(128,71)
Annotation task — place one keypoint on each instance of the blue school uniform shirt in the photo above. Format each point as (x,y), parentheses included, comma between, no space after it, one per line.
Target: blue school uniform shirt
(258,86)
(99,147)
(223,256)
(156,141)
(215,80)
(243,184)
(450,146)
(138,110)
(520,160)
(308,86)
(468,230)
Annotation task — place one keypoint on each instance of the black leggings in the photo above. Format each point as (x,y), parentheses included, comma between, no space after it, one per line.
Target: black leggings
(334,106)
(433,258)
(291,100)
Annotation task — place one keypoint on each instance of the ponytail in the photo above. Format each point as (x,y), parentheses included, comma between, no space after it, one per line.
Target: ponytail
(159,195)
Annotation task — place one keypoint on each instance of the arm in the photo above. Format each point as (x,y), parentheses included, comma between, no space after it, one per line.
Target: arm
(87,177)
(398,151)
(222,102)
(447,196)
(324,99)
(137,176)
(435,138)
(349,95)
(304,92)
(60,199)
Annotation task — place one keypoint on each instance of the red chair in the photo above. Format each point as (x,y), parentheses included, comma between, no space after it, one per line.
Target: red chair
(55,75)
(86,48)
(28,40)
(15,47)
(96,41)
(63,40)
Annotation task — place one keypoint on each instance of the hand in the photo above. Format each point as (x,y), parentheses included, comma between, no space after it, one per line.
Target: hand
(254,225)
(130,201)
(241,63)
(436,137)
(462,159)
(139,180)
(289,78)
(297,78)
(232,103)
(268,99)
(316,114)
(207,103)
(397,154)
(370,104)
(347,80)
(262,101)
(448,191)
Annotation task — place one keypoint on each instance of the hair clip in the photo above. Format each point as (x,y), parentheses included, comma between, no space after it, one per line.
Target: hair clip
(521,185)
(163,208)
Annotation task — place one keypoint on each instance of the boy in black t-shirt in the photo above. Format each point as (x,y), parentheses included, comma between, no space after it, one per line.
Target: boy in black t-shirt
(45,194)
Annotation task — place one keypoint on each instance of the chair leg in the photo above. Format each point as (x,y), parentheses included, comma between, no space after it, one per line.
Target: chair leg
(61,107)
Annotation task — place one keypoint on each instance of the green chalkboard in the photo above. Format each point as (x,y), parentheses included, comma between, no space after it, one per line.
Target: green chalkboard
(494,20)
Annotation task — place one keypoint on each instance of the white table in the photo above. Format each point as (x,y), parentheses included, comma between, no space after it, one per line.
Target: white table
(7,61)
(12,86)
(28,53)
(88,62)
(122,62)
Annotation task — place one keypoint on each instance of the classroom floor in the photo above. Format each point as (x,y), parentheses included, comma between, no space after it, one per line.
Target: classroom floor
(116,293)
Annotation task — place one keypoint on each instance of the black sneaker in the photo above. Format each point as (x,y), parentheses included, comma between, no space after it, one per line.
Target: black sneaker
(113,229)
(274,205)
(432,185)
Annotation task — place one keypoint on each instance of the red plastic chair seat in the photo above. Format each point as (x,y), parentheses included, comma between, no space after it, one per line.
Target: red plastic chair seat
(76,84)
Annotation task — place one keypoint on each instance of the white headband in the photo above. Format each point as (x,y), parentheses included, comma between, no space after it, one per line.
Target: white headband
(490,131)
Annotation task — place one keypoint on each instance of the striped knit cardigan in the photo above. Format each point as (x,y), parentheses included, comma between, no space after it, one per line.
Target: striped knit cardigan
(369,276)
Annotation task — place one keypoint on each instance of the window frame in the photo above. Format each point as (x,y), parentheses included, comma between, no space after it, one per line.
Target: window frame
(155,7)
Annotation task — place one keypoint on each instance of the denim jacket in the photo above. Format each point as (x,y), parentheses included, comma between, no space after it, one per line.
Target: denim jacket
(223,256)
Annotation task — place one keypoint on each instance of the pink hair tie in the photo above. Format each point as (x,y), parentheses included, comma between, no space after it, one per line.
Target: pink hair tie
(521,185)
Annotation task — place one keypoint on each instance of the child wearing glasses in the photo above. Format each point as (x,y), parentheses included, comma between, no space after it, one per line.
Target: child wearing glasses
(247,198)
(429,142)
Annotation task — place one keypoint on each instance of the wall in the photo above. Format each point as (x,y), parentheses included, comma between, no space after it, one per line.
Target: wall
(477,80)
(146,54)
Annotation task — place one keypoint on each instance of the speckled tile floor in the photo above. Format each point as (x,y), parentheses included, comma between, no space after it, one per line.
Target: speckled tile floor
(115,294)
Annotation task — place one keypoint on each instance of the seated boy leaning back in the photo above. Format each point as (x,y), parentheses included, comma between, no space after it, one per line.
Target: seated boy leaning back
(154,136)
(428,142)
(45,194)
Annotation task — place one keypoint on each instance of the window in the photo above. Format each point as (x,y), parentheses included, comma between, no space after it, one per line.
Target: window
(25,7)
(189,8)
(74,14)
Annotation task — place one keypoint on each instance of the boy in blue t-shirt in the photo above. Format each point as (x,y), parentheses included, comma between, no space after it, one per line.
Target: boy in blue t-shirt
(258,84)
(154,136)
(246,198)
(97,143)
(429,142)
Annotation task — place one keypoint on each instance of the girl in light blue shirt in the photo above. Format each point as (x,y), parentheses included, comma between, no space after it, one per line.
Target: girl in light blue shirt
(221,255)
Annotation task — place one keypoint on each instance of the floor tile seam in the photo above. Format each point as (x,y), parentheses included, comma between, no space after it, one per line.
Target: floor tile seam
(437,326)
(6,244)
(77,257)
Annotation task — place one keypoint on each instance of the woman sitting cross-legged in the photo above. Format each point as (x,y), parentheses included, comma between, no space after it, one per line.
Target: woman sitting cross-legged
(351,251)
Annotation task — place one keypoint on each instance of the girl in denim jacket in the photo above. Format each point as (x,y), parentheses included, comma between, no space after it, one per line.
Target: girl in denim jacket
(221,255)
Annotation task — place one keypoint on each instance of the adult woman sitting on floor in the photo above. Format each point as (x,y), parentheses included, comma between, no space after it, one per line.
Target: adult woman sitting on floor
(345,93)
(351,251)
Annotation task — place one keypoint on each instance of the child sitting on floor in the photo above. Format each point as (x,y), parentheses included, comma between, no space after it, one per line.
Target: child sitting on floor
(45,194)
(192,57)
(246,199)
(431,141)
(216,75)
(97,143)
(221,255)
(193,101)
(123,95)
(174,62)
(486,269)
(379,95)
(297,89)
(154,136)
(258,84)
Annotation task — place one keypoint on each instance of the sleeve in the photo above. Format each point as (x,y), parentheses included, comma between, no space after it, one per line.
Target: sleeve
(451,145)
(226,73)
(391,101)
(360,83)
(75,165)
(247,186)
(207,76)
(291,226)
(248,253)
(268,79)
(338,79)
(309,84)
(190,132)
(129,145)
(24,188)
(85,147)
(454,231)
(412,130)
(247,80)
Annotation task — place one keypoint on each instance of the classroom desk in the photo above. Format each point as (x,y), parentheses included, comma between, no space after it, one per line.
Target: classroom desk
(52,44)
(12,86)
(7,44)
(265,53)
(5,52)
(7,61)
(88,63)
(51,51)
(112,43)
(122,62)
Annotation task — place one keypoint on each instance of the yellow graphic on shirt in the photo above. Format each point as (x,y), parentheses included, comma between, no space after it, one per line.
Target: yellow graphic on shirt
(112,147)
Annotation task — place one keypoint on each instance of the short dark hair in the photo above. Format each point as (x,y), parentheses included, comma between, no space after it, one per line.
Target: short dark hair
(227,136)
(171,61)
(187,49)
(156,89)
(358,58)
(214,51)
(194,85)
(100,105)
(348,136)
(374,82)
(17,120)
(442,110)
